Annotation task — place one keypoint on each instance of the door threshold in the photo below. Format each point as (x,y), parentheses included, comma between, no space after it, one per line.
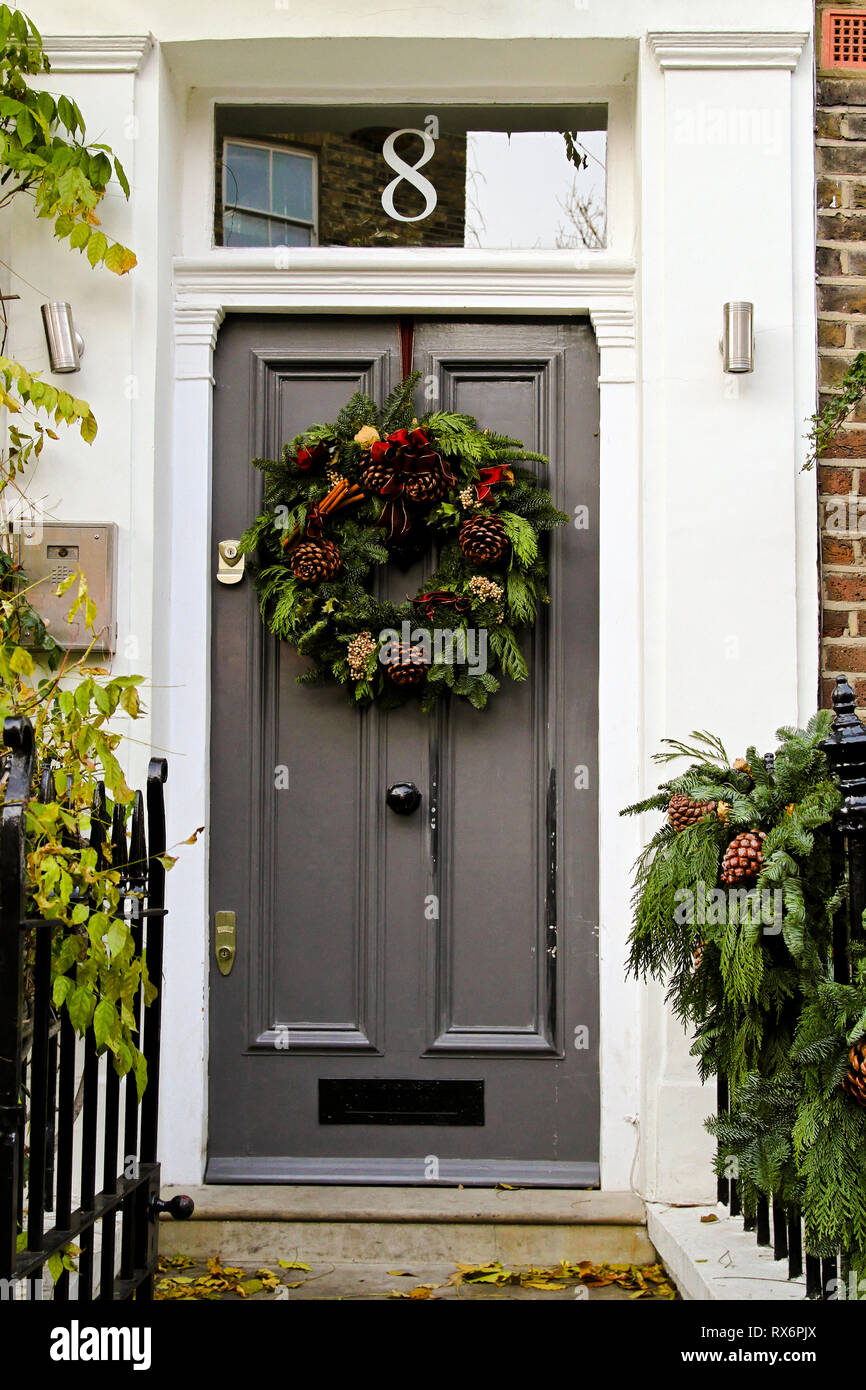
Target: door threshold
(403,1172)
(285,1202)
(254,1223)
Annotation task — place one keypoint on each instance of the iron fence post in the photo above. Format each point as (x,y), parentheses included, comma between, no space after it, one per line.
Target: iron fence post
(846,752)
(18,738)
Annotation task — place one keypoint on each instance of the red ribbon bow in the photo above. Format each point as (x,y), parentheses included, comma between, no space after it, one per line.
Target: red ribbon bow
(314,454)
(404,453)
(488,476)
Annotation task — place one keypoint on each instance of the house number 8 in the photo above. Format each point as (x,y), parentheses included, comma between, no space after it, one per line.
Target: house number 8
(409,172)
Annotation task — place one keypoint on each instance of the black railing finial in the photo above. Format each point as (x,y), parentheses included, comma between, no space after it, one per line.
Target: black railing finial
(845,747)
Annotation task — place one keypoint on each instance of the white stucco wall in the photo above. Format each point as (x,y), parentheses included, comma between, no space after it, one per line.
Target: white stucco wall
(706,519)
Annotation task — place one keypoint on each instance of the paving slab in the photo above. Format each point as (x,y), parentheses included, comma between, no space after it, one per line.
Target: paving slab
(712,1258)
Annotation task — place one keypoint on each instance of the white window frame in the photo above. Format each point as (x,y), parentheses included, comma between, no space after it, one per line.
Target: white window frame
(273,147)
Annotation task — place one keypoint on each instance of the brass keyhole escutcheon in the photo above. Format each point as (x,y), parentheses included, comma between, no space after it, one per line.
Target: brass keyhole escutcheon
(225,941)
(230,569)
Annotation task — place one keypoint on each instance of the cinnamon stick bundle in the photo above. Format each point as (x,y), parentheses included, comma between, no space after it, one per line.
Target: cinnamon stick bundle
(342,494)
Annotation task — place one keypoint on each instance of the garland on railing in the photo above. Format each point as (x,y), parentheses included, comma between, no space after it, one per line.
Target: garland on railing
(734,903)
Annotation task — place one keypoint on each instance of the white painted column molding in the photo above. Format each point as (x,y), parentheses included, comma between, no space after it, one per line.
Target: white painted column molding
(619,757)
(744,49)
(183,1123)
(720,460)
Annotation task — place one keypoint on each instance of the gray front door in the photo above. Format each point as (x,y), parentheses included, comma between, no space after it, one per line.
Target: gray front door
(414,998)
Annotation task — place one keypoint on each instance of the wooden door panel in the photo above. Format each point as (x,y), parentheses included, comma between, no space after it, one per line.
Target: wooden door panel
(344,974)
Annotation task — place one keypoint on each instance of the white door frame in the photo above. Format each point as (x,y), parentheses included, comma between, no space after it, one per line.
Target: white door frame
(390,281)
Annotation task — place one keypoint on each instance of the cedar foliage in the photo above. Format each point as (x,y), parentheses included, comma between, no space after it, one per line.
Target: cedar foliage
(755,987)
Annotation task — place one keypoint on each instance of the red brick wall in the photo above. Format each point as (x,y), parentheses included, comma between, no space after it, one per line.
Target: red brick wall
(840,133)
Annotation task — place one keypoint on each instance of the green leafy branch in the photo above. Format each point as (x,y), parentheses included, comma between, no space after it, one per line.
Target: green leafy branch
(43,150)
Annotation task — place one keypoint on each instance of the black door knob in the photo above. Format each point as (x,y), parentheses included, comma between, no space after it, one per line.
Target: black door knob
(403,798)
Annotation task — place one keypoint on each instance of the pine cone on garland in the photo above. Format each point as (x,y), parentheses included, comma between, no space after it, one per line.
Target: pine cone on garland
(315,560)
(407,665)
(854,1080)
(743,859)
(483,539)
(683,811)
(374,476)
(428,486)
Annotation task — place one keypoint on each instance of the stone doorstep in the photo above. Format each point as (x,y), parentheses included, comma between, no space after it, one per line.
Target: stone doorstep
(349,1224)
(718,1260)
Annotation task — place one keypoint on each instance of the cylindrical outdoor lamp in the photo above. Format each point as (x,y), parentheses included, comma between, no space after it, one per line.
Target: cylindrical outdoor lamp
(738,337)
(65,344)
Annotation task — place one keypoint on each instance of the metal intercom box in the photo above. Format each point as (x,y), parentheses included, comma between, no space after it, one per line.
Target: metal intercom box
(49,553)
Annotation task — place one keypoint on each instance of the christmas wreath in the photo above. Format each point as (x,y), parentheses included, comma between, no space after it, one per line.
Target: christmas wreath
(379,487)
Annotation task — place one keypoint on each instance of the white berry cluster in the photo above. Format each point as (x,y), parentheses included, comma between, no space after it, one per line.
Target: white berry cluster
(485,590)
(468,498)
(359,651)
(334,477)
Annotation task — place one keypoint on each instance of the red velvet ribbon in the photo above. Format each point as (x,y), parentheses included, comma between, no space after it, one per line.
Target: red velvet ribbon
(488,476)
(443,597)
(405,453)
(313,523)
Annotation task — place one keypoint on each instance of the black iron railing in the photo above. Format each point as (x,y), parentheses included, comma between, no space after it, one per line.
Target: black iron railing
(78,1153)
(773,1223)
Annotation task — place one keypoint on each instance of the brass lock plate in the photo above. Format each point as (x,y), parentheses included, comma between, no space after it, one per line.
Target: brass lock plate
(225,941)
(230,569)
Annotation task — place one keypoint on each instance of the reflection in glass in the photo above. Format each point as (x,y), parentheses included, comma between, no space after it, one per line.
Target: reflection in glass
(269,180)
(501,177)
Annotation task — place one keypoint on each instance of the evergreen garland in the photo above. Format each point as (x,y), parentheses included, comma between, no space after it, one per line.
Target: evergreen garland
(759,994)
(338,620)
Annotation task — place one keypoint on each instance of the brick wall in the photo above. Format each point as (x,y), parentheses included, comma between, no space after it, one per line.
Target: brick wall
(840,133)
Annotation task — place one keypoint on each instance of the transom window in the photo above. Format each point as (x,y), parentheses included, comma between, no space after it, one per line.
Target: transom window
(269,195)
(504,177)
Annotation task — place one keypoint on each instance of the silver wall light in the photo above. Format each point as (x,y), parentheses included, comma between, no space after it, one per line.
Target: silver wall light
(65,344)
(737,344)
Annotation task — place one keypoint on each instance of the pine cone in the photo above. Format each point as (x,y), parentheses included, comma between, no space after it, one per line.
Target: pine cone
(743,858)
(423,487)
(855,1079)
(483,539)
(314,560)
(374,476)
(683,811)
(407,666)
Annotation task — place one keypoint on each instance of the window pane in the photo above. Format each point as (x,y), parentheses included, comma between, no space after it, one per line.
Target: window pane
(293,186)
(246,179)
(242,229)
(528,176)
(287,234)
(523,191)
